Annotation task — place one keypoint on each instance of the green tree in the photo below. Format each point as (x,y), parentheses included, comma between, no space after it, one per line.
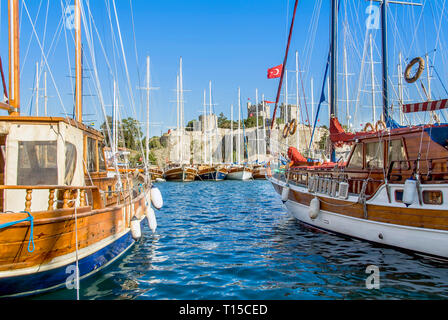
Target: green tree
(131,133)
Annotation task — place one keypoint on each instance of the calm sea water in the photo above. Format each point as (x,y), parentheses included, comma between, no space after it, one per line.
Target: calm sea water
(235,240)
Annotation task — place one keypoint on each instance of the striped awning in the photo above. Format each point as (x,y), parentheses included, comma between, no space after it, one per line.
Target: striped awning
(425,106)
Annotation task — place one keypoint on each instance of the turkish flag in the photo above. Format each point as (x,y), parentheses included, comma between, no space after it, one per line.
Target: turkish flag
(269,102)
(275,72)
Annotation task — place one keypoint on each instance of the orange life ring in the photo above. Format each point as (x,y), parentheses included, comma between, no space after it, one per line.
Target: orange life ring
(369,125)
(378,123)
(292,127)
(286,131)
(421,67)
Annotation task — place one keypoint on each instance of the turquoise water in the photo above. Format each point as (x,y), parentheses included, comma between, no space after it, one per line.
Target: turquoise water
(235,240)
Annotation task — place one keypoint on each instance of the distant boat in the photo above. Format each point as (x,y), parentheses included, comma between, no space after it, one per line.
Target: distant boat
(259,172)
(182,173)
(239,172)
(212,173)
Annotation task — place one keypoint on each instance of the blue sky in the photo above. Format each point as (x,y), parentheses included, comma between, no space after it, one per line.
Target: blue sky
(231,43)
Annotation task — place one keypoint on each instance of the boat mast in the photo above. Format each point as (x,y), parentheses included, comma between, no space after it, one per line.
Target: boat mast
(78,89)
(37,89)
(181,93)
(333,71)
(231,133)
(385,61)
(400,87)
(148,88)
(178,118)
(256,132)
(204,119)
(210,107)
(14,58)
(239,126)
(45,93)
(297,100)
(372,76)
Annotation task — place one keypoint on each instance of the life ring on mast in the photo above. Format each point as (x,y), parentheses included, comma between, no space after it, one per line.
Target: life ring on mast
(286,131)
(421,67)
(369,125)
(292,127)
(380,123)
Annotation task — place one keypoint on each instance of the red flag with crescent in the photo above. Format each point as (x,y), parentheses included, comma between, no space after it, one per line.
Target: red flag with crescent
(275,72)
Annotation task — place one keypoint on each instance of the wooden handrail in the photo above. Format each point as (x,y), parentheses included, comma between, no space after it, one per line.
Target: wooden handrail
(3,187)
(66,194)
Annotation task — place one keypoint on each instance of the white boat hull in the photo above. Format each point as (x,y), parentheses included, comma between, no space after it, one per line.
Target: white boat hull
(430,242)
(240,175)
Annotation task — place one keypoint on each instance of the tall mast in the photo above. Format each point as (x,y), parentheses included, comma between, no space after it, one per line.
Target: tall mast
(14,58)
(286,118)
(312,109)
(210,107)
(205,126)
(384,58)
(45,93)
(181,94)
(400,87)
(231,133)
(37,89)
(264,127)
(78,89)
(256,132)
(239,126)
(297,100)
(148,88)
(178,118)
(115,121)
(372,75)
(334,64)
(347,103)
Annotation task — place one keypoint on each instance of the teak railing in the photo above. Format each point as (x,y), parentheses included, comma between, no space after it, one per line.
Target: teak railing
(66,196)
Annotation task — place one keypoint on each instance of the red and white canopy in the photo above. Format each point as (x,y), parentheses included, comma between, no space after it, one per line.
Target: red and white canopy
(425,106)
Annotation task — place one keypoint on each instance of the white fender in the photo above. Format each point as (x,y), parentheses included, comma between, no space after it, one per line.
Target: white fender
(151,217)
(285,194)
(314,208)
(410,191)
(156,198)
(136,230)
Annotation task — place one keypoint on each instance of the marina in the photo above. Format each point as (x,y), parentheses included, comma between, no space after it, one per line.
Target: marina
(212,250)
(138,162)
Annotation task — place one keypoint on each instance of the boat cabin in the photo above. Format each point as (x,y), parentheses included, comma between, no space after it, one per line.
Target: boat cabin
(45,152)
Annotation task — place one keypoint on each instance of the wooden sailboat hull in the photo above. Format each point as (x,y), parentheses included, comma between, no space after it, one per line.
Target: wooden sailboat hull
(103,236)
(186,174)
(212,174)
(259,173)
(242,173)
(404,228)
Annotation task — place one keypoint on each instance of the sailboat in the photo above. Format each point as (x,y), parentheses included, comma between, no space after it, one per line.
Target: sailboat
(392,189)
(181,171)
(210,171)
(61,215)
(239,171)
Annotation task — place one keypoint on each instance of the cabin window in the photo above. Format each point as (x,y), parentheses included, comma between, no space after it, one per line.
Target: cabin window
(356,158)
(37,163)
(374,155)
(70,163)
(399,195)
(91,155)
(101,157)
(397,153)
(432,197)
